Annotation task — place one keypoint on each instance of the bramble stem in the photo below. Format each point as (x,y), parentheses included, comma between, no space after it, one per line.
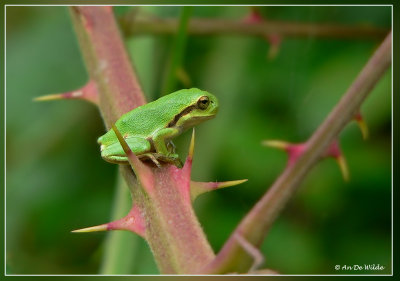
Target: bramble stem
(170,225)
(107,61)
(133,24)
(255,225)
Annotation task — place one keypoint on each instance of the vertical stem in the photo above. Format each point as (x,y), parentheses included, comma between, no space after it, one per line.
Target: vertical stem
(171,227)
(109,67)
(107,61)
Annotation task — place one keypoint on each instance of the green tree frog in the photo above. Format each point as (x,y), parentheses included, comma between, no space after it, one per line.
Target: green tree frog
(148,129)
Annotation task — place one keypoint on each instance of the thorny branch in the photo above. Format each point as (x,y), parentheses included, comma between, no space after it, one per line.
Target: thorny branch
(134,24)
(255,225)
(113,86)
(160,213)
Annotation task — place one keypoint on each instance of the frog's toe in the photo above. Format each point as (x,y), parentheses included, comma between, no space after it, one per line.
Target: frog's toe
(173,156)
(151,157)
(170,157)
(156,158)
(174,159)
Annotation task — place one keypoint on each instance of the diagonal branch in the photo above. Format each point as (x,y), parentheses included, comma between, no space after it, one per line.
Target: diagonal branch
(256,223)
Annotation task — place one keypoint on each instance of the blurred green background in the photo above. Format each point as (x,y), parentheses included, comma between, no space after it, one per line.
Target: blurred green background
(57,181)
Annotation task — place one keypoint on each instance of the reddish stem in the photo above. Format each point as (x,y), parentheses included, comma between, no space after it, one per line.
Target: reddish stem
(255,225)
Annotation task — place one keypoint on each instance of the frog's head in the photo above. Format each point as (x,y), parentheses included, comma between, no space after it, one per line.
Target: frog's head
(201,106)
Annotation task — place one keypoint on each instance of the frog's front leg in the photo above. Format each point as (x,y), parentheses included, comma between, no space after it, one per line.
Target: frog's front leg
(171,146)
(159,139)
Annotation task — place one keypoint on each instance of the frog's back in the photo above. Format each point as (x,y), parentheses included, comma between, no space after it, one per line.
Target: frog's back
(145,119)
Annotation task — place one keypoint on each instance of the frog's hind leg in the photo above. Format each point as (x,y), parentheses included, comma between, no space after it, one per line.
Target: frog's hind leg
(138,145)
(116,154)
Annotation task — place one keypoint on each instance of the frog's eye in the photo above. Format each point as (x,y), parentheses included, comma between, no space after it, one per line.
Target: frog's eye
(203,102)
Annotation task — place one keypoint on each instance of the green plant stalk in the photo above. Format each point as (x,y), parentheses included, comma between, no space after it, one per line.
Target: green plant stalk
(177,52)
(120,243)
(255,225)
(171,228)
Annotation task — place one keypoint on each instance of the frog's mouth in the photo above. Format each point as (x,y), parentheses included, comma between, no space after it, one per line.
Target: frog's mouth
(195,120)
(205,117)
(214,110)
(209,114)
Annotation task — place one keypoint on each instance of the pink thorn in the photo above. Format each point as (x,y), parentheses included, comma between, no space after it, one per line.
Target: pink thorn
(358,116)
(274,39)
(213,185)
(188,164)
(361,124)
(333,150)
(87,92)
(90,92)
(134,222)
(294,151)
(253,17)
